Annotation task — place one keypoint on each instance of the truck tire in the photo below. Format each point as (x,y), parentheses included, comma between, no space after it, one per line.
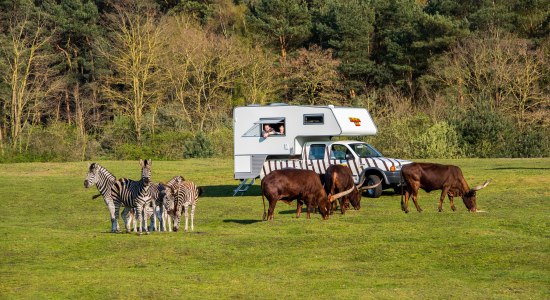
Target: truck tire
(374,192)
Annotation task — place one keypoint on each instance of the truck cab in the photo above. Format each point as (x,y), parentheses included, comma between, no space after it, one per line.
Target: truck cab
(360,157)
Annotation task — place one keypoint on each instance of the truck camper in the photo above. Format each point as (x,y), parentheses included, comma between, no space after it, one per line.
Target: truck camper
(277,136)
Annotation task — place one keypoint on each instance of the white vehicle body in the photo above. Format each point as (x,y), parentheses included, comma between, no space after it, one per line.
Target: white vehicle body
(306,142)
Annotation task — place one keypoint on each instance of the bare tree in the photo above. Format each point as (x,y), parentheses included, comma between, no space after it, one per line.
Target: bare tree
(257,78)
(133,52)
(499,68)
(202,69)
(25,62)
(313,77)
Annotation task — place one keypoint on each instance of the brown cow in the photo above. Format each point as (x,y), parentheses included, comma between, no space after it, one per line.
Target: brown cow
(430,177)
(295,184)
(339,178)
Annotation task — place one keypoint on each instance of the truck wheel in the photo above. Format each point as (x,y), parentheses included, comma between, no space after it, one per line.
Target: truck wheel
(374,192)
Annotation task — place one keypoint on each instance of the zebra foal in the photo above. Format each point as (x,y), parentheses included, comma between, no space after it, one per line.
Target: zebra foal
(186,194)
(133,194)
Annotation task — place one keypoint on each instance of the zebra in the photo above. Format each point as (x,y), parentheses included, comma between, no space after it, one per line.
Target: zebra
(186,194)
(104,181)
(133,194)
(155,209)
(165,195)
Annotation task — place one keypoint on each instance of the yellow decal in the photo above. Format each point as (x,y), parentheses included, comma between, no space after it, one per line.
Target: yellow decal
(356,121)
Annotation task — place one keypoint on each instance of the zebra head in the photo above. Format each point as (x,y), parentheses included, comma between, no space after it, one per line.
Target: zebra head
(145,171)
(168,199)
(175,181)
(91,178)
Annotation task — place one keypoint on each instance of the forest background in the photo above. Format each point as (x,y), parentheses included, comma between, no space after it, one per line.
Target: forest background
(83,80)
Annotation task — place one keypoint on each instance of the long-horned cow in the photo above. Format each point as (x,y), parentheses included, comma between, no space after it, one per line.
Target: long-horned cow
(296,184)
(430,177)
(339,178)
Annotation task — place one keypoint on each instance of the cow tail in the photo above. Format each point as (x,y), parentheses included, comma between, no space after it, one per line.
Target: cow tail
(401,182)
(263,199)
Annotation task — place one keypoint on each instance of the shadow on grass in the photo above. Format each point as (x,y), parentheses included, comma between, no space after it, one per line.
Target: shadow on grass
(228,190)
(243,222)
(518,168)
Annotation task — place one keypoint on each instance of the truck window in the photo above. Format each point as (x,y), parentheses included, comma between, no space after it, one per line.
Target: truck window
(365,150)
(317,119)
(339,152)
(317,151)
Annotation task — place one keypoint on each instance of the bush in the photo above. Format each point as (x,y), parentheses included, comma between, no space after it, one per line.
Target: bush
(530,142)
(417,136)
(199,147)
(223,147)
(485,133)
(58,142)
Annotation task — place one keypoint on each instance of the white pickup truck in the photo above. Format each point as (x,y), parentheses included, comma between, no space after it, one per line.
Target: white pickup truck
(359,156)
(304,138)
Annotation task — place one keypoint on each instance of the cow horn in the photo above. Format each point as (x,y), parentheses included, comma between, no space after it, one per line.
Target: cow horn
(361,180)
(479,187)
(341,194)
(371,186)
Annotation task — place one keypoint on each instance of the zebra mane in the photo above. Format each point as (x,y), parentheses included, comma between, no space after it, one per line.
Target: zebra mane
(100,167)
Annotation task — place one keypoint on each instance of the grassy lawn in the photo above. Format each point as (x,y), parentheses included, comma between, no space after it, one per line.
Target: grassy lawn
(55,240)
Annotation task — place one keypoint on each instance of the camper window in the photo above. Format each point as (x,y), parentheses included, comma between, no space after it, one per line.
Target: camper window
(276,127)
(317,151)
(318,119)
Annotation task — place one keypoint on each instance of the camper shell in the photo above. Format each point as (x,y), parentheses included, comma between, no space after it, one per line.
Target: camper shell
(301,138)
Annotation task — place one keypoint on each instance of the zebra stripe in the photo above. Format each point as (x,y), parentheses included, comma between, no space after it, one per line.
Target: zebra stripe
(133,194)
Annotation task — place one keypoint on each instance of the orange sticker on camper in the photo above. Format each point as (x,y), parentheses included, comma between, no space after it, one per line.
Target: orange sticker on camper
(356,121)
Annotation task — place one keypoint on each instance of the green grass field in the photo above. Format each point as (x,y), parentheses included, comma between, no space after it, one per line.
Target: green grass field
(55,241)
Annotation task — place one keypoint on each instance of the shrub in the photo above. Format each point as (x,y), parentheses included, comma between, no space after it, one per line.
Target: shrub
(199,147)
(417,136)
(485,133)
(58,142)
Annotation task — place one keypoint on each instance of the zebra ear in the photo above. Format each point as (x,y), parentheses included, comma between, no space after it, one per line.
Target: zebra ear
(141,162)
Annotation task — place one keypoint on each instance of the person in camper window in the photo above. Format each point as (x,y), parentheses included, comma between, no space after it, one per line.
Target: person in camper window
(268,130)
(281,130)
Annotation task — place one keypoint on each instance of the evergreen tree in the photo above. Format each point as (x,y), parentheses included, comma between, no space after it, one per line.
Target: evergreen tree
(347,27)
(285,22)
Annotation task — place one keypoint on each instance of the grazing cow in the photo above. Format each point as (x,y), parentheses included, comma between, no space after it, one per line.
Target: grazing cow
(295,184)
(339,178)
(430,177)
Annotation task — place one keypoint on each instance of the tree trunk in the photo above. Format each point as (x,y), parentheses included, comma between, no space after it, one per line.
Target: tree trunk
(67,106)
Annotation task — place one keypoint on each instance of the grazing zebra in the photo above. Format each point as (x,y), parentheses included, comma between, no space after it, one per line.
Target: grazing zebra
(104,181)
(186,194)
(133,194)
(165,192)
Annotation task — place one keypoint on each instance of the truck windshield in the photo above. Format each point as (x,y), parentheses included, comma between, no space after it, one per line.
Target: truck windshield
(364,150)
